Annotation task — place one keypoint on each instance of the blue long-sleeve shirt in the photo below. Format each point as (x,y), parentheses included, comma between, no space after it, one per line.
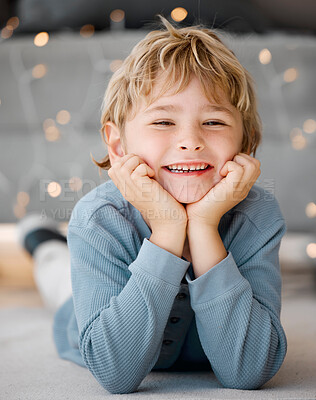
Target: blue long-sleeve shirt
(136,307)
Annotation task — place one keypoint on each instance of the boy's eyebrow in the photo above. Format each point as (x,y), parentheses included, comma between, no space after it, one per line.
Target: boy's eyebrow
(217,107)
(168,107)
(206,107)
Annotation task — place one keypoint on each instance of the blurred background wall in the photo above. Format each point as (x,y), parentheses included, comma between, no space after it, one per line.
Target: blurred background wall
(56,58)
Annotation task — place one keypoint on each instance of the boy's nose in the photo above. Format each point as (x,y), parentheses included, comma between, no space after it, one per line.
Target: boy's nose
(192,148)
(190,143)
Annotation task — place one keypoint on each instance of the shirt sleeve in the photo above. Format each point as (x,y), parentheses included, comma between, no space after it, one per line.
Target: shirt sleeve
(121,307)
(237,311)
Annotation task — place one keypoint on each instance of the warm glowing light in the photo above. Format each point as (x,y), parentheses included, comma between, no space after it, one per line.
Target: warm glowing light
(52,133)
(47,123)
(41,39)
(309,126)
(13,23)
(23,199)
(63,117)
(117,15)
(290,75)
(311,250)
(265,56)
(310,210)
(115,65)
(87,30)
(6,33)
(296,132)
(54,189)
(297,138)
(298,142)
(75,183)
(39,71)
(19,211)
(179,14)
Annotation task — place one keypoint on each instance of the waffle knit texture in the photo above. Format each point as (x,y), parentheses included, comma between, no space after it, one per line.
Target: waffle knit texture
(136,307)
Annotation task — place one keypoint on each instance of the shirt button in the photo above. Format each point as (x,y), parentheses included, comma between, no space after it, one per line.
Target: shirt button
(181,296)
(174,320)
(167,342)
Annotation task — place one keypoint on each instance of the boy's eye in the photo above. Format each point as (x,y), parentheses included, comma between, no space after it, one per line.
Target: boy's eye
(213,123)
(162,123)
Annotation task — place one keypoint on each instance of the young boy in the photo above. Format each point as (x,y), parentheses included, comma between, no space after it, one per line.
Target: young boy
(174,261)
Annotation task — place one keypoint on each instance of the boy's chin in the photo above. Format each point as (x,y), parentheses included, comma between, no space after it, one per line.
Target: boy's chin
(190,198)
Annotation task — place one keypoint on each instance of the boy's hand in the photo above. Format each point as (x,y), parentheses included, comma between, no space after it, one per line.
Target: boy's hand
(161,211)
(239,176)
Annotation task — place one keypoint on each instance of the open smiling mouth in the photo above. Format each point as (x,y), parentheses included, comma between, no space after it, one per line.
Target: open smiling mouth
(188,170)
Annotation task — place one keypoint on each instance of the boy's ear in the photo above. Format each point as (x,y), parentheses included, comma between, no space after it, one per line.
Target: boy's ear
(113,138)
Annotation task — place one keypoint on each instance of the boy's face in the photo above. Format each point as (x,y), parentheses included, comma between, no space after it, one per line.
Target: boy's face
(186,130)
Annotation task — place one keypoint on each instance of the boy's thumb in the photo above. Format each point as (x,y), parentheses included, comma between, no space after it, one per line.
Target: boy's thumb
(150,171)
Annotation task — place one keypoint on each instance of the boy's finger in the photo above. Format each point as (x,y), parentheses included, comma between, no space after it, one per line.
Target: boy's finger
(143,170)
(118,163)
(130,164)
(251,168)
(253,160)
(231,167)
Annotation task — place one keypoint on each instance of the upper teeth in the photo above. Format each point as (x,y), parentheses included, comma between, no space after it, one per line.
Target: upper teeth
(187,167)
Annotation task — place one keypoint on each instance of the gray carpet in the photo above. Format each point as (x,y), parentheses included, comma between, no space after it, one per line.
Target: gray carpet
(31,369)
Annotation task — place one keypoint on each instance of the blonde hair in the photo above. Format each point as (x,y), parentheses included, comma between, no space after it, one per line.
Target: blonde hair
(180,52)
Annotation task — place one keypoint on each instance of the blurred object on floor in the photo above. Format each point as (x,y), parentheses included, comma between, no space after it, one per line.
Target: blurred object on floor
(16,265)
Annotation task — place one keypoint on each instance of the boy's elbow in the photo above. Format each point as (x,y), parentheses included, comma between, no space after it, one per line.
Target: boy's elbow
(114,382)
(246,380)
(119,387)
(241,382)
(242,385)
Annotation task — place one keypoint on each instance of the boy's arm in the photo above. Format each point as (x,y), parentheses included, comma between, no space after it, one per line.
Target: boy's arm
(122,306)
(122,295)
(237,309)
(206,246)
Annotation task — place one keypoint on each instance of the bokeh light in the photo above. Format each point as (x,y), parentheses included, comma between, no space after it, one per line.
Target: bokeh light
(297,138)
(309,126)
(6,33)
(115,65)
(41,39)
(117,15)
(47,123)
(179,14)
(63,117)
(54,189)
(52,133)
(23,199)
(19,211)
(75,183)
(290,75)
(310,210)
(39,71)
(265,56)
(311,250)
(13,23)
(87,31)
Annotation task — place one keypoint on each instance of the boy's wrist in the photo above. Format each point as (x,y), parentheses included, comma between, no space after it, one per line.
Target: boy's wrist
(170,238)
(199,225)
(206,247)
